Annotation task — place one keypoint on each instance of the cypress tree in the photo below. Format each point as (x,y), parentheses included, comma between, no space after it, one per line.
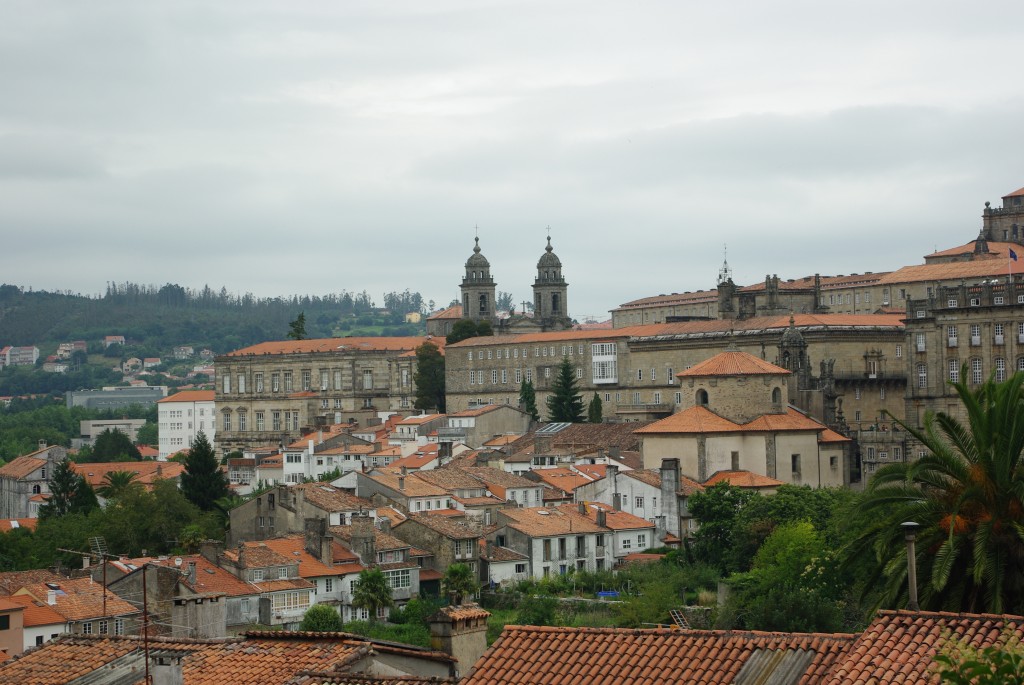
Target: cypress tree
(594,411)
(528,400)
(202,481)
(565,403)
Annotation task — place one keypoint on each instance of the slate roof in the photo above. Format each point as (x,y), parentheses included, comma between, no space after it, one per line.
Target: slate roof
(616,656)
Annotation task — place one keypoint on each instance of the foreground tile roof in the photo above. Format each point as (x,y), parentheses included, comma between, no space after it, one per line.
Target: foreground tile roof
(610,656)
(265,658)
(81,599)
(898,646)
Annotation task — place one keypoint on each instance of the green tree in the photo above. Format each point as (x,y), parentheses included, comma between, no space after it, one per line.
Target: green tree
(594,410)
(429,378)
(202,481)
(537,610)
(468,328)
(717,509)
(372,592)
(528,400)
(115,483)
(67,493)
(564,402)
(967,495)
(149,434)
(458,583)
(113,445)
(297,328)
(321,618)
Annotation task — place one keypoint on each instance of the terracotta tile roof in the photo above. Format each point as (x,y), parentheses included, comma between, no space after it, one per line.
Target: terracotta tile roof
(265,658)
(418,420)
(334,678)
(500,440)
(414,486)
(479,411)
(828,435)
(487,475)
(451,479)
(368,344)
(456,528)
(586,436)
(674,298)
(12,581)
(982,268)
(1016,193)
(21,467)
(329,498)
(81,599)
(614,520)
(688,486)
(611,656)
(595,471)
(453,312)
(36,613)
(284,584)
(733,363)
(899,646)
(392,514)
(148,472)
(742,479)
(210,578)
(384,541)
(548,521)
(563,478)
(7,525)
(994,249)
(189,396)
(294,547)
(504,554)
(648,476)
(702,420)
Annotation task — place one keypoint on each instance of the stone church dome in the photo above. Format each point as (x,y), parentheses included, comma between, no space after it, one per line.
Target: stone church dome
(476,259)
(549,259)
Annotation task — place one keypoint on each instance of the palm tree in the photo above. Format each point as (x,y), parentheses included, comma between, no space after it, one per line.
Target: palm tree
(967,494)
(458,582)
(372,592)
(116,483)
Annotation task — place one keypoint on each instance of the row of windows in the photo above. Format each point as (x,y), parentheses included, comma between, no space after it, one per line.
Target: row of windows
(976,370)
(291,420)
(855,298)
(328,379)
(513,353)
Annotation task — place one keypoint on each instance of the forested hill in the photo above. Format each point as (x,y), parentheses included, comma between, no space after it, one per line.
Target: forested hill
(173,315)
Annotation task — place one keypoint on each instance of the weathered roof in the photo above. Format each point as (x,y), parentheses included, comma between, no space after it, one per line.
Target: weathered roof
(329,498)
(147,472)
(22,466)
(367,344)
(80,599)
(455,527)
(189,396)
(36,613)
(733,363)
(549,521)
(610,656)
(742,479)
(698,420)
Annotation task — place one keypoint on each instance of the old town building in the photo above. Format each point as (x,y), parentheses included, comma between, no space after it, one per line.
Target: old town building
(271,392)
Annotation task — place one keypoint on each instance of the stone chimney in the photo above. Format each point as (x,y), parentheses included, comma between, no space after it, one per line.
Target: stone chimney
(401,482)
(611,473)
(460,632)
(166,668)
(385,524)
(583,508)
(614,452)
(542,443)
(669,495)
(192,572)
(317,542)
(602,518)
(364,542)
(211,550)
(617,502)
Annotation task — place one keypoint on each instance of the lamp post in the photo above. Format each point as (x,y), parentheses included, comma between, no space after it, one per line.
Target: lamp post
(910,535)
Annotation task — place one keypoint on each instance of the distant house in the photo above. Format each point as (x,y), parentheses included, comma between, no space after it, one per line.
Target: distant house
(150,362)
(24,482)
(183,352)
(113,340)
(19,356)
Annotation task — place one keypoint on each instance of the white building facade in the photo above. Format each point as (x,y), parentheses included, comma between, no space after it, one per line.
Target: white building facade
(181,417)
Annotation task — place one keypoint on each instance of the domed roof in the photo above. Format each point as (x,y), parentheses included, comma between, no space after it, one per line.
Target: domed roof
(549,258)
(476,259)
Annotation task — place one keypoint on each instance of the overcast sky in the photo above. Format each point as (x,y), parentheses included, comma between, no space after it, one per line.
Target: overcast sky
(289,147)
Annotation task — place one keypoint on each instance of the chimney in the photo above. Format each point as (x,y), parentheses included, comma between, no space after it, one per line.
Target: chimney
(490,549)
(42,444)
(602,518)
(211,550)
(314,530)
(165,668)
(542,444)
(460,632)
(401,481)
(614,452)
(611,472)
(364,541)
(192,572)
(583,508)
(51,597)
(385,525)
(617,502)
(405,471)
(670,499)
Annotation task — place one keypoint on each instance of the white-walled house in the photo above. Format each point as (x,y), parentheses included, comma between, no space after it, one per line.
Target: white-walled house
(181,416)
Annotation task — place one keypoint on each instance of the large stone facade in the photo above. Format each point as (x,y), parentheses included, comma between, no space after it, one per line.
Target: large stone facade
(270,393)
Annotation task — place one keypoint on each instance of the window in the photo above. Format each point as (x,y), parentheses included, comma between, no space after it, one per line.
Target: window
(504,375)
(529,375)
(641,541)
(657,398)
(654,374)
(639,374)
(881,393)
(287,381)
(520,568)
(86,627)
(899,351)
(670,377)
(227,420)
(856,415)
(679,398)
(257,575)
(636,398)
(283,601)
(547,372)
(227,384)
(519,376)
(241,382)
(856,393)
(259,421)
(282,573)
(494,376)
(579,373)
(795,459)
(306,380)
(103,627)
(920,342)
(472,377)
(275,420)
(951,302)
(976,376)
(998,299)
(627,543)
(337,380)
(242,417)
(639,503)
(275,382)
(257,380)
(1000,369)
(954,371)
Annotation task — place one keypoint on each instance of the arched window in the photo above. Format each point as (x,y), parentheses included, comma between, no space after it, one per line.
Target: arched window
(36,489)
(483,303)
(555,304)
(702,398)
(465,305)
(776,396)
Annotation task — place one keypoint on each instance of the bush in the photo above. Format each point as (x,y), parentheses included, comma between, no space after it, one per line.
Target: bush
(321,618)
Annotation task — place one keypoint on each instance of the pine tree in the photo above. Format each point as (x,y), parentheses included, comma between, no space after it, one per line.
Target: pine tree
(594,410)
(297,328)
(564,402)
(528,400)
(429,378)
(202,481)
(69,493)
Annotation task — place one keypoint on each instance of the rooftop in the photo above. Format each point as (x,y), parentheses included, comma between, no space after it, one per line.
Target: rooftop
(733,363)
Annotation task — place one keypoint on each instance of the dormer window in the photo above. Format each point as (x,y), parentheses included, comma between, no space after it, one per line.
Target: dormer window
(282,572)
(257,575)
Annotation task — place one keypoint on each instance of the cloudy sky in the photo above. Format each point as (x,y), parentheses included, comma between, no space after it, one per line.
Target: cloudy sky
(311,147)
